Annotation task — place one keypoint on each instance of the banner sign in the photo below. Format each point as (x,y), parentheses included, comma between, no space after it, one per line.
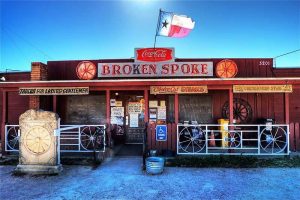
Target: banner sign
(178,89)
(54,91)
(145,69)
(262,88)
(154,54)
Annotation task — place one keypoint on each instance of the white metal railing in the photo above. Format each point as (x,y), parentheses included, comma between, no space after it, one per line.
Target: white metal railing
(233,139)
(72,138)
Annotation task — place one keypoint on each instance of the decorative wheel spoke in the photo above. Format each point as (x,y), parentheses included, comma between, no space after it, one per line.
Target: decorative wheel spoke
(191,139)
(273,141)
(91,138)
(242,111)
(12,138)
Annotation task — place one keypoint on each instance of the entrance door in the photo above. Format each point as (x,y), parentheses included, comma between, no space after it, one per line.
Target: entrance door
(135,109)
(131,119)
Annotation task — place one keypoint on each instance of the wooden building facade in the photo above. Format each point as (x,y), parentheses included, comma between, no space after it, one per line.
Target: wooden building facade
(146,95)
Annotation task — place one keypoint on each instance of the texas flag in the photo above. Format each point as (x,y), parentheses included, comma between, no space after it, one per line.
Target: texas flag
(173,25)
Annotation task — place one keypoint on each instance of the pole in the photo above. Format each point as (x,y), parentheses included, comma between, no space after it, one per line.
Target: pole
(157,27)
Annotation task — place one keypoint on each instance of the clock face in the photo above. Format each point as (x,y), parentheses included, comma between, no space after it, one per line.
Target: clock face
(86,70)
(37,140)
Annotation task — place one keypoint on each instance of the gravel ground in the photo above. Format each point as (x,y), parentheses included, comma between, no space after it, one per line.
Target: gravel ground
(122,178)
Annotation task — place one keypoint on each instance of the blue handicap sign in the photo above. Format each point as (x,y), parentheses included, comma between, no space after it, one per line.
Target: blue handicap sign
(161,132)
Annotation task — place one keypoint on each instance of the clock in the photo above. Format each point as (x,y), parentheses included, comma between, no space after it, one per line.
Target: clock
(86,70)
(37,140)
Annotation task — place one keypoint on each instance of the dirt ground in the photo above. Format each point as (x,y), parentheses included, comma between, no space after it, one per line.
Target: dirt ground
(123,178)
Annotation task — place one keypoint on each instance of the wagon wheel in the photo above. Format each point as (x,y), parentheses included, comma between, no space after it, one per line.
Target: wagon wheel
(92,138)
(242,111)
(234,139)
(226,69)
(13,138)
(273,141)
(190,142)
(86,70)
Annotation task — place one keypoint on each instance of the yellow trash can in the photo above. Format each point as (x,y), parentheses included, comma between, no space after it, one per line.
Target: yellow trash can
(224,131)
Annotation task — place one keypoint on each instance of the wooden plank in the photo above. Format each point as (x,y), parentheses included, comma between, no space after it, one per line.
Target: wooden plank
(108,106)
(4,107)
(54,103)
(176,108)
(149,144)
(292,137)
(174,137)
(230,106)
(169,144)
(286,108)
(297,136)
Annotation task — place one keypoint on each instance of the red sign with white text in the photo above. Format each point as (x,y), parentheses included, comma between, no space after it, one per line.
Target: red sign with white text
(154,54)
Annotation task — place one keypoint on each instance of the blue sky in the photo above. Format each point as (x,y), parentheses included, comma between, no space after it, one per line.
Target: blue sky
(81,30)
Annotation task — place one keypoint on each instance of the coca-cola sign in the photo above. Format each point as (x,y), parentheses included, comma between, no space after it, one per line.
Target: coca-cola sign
(154,54)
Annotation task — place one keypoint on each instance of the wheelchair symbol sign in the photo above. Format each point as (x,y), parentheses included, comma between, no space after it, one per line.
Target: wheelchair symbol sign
(161,132)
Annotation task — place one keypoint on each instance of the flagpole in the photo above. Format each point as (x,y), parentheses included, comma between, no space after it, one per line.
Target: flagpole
(157,27)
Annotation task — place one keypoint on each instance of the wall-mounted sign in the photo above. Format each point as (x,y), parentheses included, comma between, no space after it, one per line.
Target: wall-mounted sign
(262,88)
(134,120)
(144,69)
(86,70)
(161,132)
(54,91)
(154,54)
(161,113)
(226,69)
(112,102)
(134,107)
(117,111)
(178,89)
(118,103)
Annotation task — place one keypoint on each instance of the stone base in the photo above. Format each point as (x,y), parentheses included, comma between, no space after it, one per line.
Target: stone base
(38,169)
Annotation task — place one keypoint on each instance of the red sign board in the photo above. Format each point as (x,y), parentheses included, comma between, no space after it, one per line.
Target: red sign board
(154,54)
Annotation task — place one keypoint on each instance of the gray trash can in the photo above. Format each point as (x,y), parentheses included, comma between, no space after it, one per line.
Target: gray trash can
(155,165)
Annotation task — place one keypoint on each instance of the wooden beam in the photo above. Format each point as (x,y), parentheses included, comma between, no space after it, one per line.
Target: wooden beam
(146,98)
(230,106)
(286,108)
(176,109)
(4,117)
(108,106)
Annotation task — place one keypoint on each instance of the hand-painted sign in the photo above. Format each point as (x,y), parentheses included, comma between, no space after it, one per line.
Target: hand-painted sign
(54,91)
(145,69)
(154,54)
(161,133)
(178,89)
(262,88)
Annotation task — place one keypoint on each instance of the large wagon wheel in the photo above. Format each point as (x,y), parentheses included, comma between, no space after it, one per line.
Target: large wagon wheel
(13,138)
(273,140)
(191,140)
(226,69)
(86,70)
(242,111)
(92,138)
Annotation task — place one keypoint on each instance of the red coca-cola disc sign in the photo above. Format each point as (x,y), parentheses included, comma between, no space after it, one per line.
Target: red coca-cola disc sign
(154,54)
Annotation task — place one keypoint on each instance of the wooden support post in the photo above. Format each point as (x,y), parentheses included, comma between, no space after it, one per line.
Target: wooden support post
(146,97)
(176,109)
(54,103)
(230,106)
(4,117)
(108,106)
(286,108)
